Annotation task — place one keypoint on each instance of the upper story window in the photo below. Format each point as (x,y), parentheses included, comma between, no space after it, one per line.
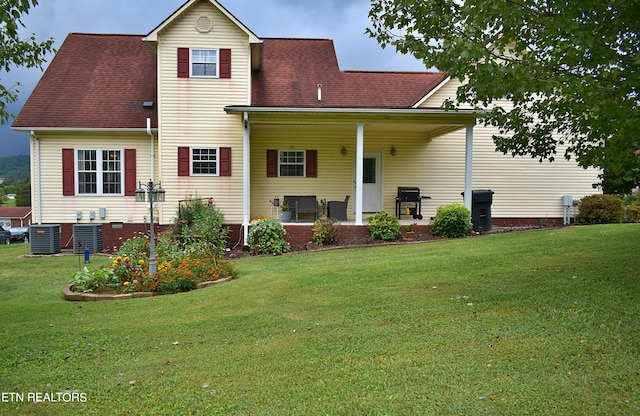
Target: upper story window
(204,161)
(204,63)
(99,172)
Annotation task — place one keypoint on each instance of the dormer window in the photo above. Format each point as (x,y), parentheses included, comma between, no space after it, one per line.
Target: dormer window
(204,63)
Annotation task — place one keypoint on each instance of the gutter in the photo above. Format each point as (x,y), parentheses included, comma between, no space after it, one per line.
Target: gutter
(233,109)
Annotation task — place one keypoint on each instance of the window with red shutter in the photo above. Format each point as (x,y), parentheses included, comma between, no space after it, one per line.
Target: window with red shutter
(225,63)
(68,173)
(183,62)
(183,161)
(225,161)
(129,172)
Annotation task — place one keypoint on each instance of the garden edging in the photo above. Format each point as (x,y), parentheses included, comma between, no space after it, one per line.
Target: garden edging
(72,296)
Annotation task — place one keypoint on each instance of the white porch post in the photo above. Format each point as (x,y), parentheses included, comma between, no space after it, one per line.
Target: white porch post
(468,167)
(359,173)
(246,178)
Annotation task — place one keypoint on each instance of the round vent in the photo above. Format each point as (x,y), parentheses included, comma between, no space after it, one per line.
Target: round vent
(204,24)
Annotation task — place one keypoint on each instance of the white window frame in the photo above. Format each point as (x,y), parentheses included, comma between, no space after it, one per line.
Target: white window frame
(193,62)
(193,161)
(99,171)
(304,163)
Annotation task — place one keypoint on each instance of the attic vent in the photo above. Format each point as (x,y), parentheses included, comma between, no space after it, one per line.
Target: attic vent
(204,24)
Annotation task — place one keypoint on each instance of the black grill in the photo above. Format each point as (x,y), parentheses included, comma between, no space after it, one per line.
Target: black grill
(412,200)
(408,194)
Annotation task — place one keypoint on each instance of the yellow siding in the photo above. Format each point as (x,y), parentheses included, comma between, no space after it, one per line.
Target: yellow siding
(191,111)
(335,172)
(62,209)
(523,187)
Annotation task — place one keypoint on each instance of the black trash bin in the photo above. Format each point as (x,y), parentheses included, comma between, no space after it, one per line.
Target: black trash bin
(481,201)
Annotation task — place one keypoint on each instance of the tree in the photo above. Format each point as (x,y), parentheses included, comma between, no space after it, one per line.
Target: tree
(570,68)
(15,51)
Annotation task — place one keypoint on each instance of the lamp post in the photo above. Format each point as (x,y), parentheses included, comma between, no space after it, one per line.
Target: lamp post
(155,194)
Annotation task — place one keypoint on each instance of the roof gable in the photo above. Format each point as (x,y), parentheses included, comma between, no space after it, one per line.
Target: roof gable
(94,81)
(153,35)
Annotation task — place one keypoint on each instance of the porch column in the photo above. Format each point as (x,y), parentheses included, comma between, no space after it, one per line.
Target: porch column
(359,174)
(468,167)
(246,178)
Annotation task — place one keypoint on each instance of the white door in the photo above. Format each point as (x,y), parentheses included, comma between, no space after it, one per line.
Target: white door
(372,182)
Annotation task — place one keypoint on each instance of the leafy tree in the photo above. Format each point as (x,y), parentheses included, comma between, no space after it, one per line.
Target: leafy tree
(15,51)
(570,69)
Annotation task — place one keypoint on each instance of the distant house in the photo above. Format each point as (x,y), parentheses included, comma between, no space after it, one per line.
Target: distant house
(243,119)
(15,216)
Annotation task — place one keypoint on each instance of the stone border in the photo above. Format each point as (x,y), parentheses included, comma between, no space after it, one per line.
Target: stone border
(72,296)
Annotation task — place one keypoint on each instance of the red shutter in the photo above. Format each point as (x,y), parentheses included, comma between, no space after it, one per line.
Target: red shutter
(272,163)
(183,62)
(183,161)
(312,163)
(225,161)
(225,63)
(129,172)
(68,174)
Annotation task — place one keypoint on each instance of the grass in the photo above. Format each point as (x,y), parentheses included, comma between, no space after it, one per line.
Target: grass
(542,323)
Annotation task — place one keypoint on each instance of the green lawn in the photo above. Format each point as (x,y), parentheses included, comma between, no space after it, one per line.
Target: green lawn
(544,322)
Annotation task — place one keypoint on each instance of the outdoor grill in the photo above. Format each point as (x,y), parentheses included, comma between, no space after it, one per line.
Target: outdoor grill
(409,202)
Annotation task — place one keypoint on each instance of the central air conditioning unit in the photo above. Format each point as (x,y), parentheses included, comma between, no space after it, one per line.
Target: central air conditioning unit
(87,236)
(45,238)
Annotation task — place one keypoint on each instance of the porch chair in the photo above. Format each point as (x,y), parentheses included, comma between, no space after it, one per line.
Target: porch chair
(338,209)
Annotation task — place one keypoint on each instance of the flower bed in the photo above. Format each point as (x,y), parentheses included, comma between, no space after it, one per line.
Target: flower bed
(71,295)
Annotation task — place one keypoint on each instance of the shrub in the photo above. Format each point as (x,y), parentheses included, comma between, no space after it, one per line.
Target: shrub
(384,226)
(267,237)
(600,209)
(451,221)
(325,232)
(632,207)
(92,281)
(200,225)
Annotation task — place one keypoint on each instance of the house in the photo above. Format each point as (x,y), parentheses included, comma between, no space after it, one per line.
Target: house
(206,108)
(15,217)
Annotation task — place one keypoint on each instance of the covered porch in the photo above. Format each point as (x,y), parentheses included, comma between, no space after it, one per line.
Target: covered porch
(365,154)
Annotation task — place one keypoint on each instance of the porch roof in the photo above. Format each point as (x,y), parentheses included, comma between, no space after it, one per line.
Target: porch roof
(433,122)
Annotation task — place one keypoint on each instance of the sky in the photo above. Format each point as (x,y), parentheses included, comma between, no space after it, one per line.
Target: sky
(344,21)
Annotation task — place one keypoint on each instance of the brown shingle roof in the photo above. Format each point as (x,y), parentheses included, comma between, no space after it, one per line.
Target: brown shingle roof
(94,81)
(292,69)
(14,212)
(101,81)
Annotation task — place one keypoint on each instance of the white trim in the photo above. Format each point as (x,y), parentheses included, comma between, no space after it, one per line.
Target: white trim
(246,178)
(99,172)
(153,35)
(84,129)
(359,176)
(468,167)
(430,93)
(192,62)
(192,161)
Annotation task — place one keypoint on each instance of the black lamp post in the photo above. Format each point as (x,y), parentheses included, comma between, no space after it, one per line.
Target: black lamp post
(155,194)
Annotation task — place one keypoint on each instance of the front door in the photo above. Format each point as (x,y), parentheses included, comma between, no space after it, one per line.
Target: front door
(372,182)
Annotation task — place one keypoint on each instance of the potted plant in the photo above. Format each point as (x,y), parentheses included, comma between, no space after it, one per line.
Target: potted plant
(286,214)
(409,233)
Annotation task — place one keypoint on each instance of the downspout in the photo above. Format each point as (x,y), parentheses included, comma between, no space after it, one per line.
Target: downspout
(246,178)
(37,176)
